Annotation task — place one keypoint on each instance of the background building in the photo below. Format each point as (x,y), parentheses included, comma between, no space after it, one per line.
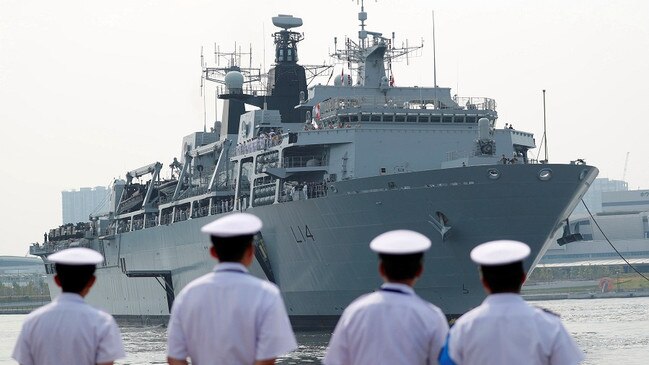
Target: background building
(78,205)
(593,198)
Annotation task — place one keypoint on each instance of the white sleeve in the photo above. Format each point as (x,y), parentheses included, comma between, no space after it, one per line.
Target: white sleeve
(338,351)
(564,349)
(276,336)
(22,352)
(176,342)
(110,347)
(438,338)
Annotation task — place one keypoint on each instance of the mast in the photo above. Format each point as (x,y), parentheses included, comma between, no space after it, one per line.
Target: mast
(434,54)
(545,133)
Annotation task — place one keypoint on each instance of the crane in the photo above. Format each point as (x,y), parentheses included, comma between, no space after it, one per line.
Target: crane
(626,163)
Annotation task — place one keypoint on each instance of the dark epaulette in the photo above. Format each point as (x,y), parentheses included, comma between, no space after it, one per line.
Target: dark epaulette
(548,311)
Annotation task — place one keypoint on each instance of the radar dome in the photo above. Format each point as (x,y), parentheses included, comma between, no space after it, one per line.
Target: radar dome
(234,81)
(343,80)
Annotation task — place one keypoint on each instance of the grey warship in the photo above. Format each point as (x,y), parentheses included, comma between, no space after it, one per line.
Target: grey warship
(327,168)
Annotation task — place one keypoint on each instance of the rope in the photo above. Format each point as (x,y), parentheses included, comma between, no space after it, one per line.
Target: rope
(609,242)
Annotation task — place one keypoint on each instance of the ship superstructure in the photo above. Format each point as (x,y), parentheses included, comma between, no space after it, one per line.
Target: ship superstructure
(327,168)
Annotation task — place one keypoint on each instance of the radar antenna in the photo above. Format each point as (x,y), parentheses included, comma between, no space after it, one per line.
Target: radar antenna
(359,52)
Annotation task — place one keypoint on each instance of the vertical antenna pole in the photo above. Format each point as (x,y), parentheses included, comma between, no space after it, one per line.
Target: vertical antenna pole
(204,113)
(434,54)
(545,132)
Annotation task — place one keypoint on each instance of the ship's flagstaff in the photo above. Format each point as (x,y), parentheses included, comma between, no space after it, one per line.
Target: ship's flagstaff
(434,53)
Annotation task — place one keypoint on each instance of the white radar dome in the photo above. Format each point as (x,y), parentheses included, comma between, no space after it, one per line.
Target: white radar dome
(343,80)
(234,81)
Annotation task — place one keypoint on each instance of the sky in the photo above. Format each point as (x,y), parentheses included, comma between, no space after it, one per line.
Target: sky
(92,89)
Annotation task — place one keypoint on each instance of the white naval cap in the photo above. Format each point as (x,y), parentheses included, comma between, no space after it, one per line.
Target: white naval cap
(77,256)
(501,252)
(400,242)
(235,224)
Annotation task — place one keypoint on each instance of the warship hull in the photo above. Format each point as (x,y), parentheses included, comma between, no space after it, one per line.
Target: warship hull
(316,250)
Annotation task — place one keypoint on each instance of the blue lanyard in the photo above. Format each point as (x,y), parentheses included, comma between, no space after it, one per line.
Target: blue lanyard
(232,270)
(393,290)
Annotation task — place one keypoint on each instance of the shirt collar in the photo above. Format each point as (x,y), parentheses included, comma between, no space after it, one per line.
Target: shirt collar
(503,298)
(70,297)
(406,289)
(230,266)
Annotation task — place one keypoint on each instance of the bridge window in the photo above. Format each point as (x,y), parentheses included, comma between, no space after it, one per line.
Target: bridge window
(412,119)
(447,119)
(458,119)
(423,119)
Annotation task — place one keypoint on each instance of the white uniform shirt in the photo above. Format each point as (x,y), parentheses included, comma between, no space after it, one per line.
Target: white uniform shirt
(504,329)
(390,326)
(229,317)
(68,331)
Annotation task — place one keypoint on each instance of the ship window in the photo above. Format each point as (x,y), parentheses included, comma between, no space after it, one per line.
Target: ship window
(399,118)
(365,118)
(383,170)
(412,118)
(471,119)
(281,55)
(545,174)
(458,119)
(388,118)
(423,119)
(447,119)
(493,174)
(435,119)
(375,118)
(344,118)
(353,118)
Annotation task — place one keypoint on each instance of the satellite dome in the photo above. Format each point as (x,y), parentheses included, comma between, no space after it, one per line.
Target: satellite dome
(234,81)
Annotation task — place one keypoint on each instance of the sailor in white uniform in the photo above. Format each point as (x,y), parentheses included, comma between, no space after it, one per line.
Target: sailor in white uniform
(392,325)
(228,316)
(504,329)
(69,331)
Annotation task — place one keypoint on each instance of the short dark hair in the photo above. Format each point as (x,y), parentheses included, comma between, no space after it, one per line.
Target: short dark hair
(401,267)
(503,278)
(231,249)
(74,278)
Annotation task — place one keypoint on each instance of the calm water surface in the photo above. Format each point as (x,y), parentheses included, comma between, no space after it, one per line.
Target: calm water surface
(608,330)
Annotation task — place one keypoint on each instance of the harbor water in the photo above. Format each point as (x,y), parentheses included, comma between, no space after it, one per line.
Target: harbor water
(614,330)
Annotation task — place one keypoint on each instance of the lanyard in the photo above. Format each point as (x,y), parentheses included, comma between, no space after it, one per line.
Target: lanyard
(394,290)
(232,270)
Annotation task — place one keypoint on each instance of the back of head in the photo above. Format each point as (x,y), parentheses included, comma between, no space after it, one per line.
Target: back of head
(232,234)
(74,278)
(504,278)
(401,267)
(231,249)
(501,264)
(401,253)
(75,267)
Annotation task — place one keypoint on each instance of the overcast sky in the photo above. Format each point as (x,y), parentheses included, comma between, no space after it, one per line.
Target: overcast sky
(90,89)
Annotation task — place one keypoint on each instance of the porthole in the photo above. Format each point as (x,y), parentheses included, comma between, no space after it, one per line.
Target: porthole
(493,174)
(545,174)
